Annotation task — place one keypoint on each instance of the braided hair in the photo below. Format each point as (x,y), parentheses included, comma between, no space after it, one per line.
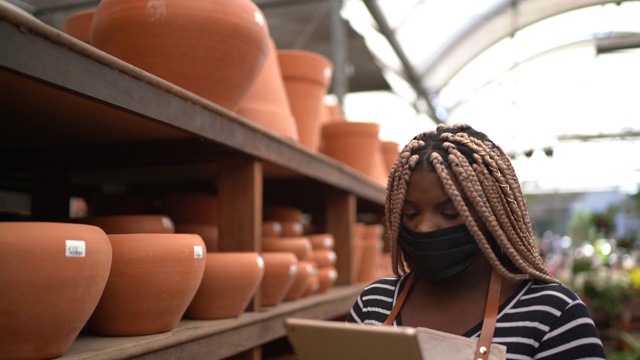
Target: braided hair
(487,181)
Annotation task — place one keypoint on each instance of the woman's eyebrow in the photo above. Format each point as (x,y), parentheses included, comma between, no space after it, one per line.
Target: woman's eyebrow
(444,202)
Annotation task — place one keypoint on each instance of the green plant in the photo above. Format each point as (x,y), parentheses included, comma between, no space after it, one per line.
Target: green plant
(631,354)
(606,286)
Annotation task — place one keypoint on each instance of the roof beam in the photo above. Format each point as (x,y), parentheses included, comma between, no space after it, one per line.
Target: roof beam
(410,71)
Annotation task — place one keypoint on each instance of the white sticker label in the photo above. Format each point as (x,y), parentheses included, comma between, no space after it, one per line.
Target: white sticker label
(75,248)
(197,252)
(166,222)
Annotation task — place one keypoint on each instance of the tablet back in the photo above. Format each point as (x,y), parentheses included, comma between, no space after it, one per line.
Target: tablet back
(323,340)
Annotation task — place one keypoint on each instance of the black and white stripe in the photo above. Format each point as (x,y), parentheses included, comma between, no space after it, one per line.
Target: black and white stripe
(540,321)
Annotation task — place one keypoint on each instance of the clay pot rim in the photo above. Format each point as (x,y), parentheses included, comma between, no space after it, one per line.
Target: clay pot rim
(317,67)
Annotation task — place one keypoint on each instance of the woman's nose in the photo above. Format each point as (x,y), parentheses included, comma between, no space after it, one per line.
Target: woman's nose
(425,224)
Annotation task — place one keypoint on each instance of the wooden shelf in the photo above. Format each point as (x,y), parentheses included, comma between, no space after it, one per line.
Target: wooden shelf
(73,118)
(216,339)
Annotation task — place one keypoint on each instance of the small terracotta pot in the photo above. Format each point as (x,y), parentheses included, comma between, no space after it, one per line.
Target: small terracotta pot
(78,25)
(291,228)
(52,276)
(324,257)
(213,48)
(307,76)
(280,269)
(153,279)
(282,213)
(321,241)
(208,233)
(358,248)
(192,208)
(230,280)
(133,224)
(313,284)
(271,228)
(327,278)
(267,103)
(300,246)
(306,269)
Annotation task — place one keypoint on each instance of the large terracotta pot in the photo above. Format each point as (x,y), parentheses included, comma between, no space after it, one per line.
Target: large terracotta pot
(78,25)
(51,278)
(213,48)
(230,280)
(153,279)
(307,76)
(355,144)
(267,103)
(280,269)
(133,224)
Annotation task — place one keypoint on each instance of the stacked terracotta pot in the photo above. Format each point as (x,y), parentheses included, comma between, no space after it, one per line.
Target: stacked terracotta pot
(324,256)
(283,230)
(371,258)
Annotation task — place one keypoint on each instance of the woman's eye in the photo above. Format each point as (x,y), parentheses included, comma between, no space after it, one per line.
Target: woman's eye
(410,216)
(451,216)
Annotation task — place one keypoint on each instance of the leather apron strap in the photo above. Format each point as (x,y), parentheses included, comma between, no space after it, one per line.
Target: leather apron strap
(490,312)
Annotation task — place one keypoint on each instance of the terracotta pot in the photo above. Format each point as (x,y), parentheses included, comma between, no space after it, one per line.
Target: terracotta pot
(267,103)
(192,208)
(271,228)
(324,257)
(282,213)
(371,252)
(358,248)
(379,172)
(307,76)
(78,24)
(213,48)
(321,241)
(300,246)
(52,276)
(306,269)
(153,279)
(230,280)
(354,144)
(208,233)
(390,152)
(133,224)
(291,228)
(327,278)
(280,269)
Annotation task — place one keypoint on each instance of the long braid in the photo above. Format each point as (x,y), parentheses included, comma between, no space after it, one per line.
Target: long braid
(476,174)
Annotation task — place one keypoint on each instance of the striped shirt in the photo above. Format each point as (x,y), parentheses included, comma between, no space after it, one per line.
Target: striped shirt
(539,321)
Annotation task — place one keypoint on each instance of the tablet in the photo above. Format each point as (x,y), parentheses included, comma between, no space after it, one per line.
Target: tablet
(323,339)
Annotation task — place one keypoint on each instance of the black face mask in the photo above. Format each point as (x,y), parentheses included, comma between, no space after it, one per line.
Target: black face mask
(440,254)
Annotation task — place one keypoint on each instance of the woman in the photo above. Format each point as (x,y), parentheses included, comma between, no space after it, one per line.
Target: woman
(456,215)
